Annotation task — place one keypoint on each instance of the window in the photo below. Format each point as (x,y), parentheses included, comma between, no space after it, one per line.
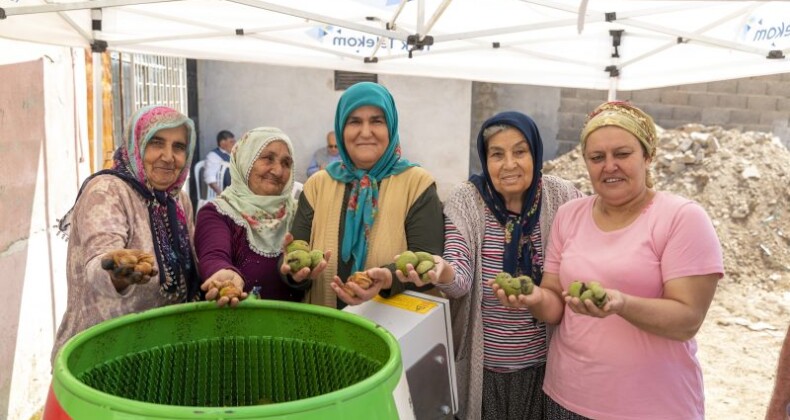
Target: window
(140,80)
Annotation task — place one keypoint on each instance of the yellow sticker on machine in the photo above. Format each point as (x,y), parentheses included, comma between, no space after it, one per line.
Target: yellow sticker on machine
(409,303)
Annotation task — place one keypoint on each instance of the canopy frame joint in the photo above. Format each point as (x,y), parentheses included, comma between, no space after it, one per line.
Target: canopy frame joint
(617,35)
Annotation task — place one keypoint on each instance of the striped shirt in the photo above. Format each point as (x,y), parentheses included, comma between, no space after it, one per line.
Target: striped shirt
(513,338)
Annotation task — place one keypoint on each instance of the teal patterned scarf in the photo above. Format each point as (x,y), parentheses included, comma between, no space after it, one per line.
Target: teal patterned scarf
(363,203)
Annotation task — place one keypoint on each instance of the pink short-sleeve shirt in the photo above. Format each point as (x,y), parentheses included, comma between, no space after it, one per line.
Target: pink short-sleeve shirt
(608,368)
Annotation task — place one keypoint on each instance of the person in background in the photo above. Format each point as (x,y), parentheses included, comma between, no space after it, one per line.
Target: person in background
(216,159)
(368,207)
(136,209)
(777,408)
(239,235)
(658,259)
(324,156)
(497,222)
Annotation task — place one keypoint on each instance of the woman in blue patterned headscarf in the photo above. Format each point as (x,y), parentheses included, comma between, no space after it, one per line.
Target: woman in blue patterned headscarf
(368,207)
(499,222)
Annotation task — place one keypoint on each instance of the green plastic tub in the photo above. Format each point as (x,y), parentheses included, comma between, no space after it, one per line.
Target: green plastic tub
(262,359)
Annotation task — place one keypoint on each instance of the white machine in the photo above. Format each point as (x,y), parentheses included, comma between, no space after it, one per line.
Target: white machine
(421,323)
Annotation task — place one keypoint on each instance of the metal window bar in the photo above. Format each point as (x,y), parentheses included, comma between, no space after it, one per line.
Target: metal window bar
(143,80)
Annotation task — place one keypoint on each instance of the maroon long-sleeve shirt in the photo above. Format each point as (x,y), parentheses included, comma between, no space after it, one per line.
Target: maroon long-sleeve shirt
(222,244)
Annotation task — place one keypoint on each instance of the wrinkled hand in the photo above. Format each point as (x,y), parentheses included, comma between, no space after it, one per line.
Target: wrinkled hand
(516,301)
(224,286)
(381,279)
(129,266)
(614,304)
(304,273)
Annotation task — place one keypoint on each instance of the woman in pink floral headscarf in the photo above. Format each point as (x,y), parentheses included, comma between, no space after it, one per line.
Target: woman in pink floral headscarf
(135,209)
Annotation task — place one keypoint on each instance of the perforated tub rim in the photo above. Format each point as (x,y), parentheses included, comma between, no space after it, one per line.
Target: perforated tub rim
(64,382)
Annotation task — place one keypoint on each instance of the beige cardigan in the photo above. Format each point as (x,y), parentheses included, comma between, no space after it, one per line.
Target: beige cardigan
(387,237)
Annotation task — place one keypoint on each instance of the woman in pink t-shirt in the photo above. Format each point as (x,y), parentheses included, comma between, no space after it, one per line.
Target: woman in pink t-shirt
(659,259)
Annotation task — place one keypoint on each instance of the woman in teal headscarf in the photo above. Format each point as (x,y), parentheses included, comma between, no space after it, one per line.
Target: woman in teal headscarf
(368,207)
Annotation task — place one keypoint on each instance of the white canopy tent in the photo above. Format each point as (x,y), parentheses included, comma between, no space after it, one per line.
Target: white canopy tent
(592,44)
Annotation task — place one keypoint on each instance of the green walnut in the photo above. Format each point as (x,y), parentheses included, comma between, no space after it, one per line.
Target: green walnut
(592,291)
(405,258)
(297,245)
(575,289)
(586,295)
(527,285)
(423,267)
(316,256)
(501,277)
(298,260)
(423,256)
(513,286)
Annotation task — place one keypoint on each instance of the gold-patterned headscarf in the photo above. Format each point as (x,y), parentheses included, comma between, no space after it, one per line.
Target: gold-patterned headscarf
(628,117)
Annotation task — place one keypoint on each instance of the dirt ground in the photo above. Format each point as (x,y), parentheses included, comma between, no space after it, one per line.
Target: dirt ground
(743,182)
(738,358)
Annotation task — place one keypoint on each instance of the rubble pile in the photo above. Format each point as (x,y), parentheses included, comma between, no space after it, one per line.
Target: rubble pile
(741,179)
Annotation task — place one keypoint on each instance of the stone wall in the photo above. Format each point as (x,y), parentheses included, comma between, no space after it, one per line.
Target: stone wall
(749,104)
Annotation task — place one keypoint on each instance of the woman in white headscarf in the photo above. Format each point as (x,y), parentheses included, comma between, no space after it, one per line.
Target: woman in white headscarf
(239,236)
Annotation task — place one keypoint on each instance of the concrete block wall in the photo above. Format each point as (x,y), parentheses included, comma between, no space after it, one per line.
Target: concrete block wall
(748,104)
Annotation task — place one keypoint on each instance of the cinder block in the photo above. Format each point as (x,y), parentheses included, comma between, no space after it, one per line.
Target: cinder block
(568,92)
(573,105)
(732,101)
(566,119)
(642,97)
(670,97)
(752,87)
(771,78)
(624,95)
(703,100)
(694,87)
(757,127)
(723,86)
(589,94)
(771,118)
(715,116)
(568,134)
(783,104)
(761,103)
(687,114)
(731,126)
(781,89)
(578,121)
(659,112)
(745,117)
(670,124)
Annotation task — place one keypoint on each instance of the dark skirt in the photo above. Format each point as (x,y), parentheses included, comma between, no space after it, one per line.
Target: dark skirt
(555,411)
(514,395)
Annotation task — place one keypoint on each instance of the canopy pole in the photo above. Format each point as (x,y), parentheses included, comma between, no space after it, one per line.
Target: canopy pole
(98,90)
(612,96)
(614,68)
